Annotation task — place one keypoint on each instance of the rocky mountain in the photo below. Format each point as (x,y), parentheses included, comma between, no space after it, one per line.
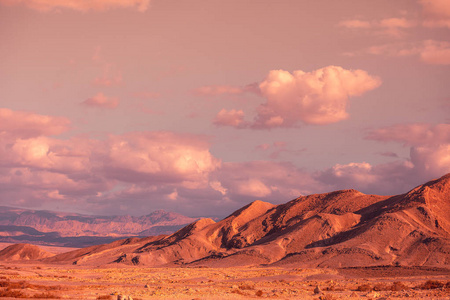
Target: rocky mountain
(338,229)
(76,230)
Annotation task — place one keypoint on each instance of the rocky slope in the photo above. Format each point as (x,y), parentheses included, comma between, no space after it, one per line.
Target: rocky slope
(339,229)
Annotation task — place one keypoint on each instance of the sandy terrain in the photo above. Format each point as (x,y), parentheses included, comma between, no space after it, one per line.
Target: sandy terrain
(74,282)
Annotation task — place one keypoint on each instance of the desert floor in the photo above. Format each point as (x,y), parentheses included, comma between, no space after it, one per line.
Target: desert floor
(74,282)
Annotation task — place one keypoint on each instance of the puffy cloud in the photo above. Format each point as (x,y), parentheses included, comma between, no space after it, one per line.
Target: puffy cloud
(318,97)
(234,118)
(162,157)
(79,5)
(253,187)
(101,101)
(26,124)
(416,134)
(436,13)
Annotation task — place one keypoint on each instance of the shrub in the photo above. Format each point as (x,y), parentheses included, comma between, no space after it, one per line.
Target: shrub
(259,293)
(364,288)
(46,295)
(104,297)
(431,284)
(246,287)
(10,293)
(398,286)
(380,287)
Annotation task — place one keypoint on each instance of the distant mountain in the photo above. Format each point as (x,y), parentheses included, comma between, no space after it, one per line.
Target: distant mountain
(338,229)
(77,230)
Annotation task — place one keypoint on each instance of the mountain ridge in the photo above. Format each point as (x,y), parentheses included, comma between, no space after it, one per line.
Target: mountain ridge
(338,229)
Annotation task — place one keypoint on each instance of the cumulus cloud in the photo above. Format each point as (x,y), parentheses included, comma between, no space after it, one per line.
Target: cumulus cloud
(318,97)
(234,118)
(436,13)
(101,101)
(79,5)
(26,124)
(159,157)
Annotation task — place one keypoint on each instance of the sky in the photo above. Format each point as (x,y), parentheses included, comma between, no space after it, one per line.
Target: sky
(115,107)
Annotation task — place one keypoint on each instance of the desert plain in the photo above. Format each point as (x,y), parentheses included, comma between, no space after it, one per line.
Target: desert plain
(43,281)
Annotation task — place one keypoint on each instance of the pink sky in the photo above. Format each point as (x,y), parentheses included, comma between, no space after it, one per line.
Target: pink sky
(199,107)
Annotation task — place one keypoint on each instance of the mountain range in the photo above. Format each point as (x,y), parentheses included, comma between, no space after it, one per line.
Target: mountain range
(339,229)
(77,230)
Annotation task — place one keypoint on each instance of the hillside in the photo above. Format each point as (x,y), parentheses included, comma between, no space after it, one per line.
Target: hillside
(338,229)
(20,252)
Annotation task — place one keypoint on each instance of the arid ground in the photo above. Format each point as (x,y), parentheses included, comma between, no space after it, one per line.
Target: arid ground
(74,282)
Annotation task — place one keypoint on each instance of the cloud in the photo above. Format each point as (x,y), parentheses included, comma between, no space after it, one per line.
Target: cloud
(26,124)
(393,27)
(96,173)
(216,90)
(428,51)
(79,5)
(101,101)
(416,134)
(159,157)
(319,97)
(269,181)
(435,53)
(436,13)
(429,158)
(234,118)
(354,23)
